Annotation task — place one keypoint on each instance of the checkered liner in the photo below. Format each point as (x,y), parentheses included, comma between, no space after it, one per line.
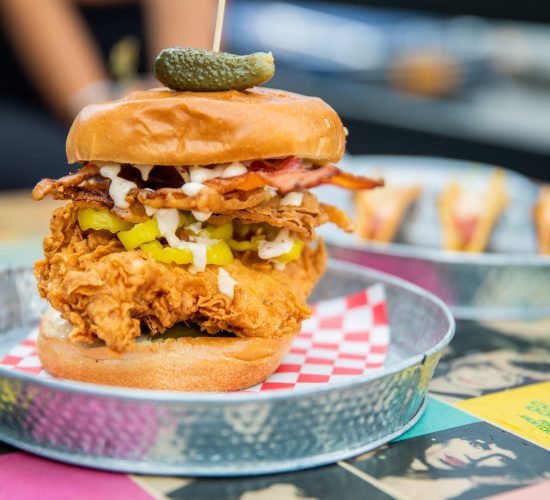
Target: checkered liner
(344,338)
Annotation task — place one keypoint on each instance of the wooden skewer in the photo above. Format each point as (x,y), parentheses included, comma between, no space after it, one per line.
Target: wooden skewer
(219,26)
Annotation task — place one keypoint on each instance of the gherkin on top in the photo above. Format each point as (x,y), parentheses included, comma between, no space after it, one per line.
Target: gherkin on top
(206,71)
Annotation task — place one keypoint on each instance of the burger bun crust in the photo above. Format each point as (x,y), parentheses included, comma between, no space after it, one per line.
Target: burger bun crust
(165,127)
(198,364)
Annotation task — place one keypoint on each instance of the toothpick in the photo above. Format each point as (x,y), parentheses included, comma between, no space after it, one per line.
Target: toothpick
(219,26)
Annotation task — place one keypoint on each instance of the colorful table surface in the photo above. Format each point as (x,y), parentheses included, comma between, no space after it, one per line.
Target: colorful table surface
(486,432)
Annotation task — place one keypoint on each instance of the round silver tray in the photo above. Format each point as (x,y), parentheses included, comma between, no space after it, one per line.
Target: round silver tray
(156,432)
(509,281)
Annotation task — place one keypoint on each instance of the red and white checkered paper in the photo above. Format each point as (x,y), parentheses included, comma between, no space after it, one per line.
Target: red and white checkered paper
(344,338)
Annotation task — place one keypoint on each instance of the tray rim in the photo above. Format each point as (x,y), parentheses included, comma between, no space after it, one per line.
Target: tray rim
(282,467)
(437,254)
(209,398)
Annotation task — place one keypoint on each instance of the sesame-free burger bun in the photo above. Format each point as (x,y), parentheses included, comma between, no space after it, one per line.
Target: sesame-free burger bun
(165,127)
(201,364)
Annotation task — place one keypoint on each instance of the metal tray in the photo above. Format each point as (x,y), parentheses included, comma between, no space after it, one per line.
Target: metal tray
(509,281)
(156,432)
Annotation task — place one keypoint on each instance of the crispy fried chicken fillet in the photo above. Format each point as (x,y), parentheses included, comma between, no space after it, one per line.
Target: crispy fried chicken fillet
(108,293)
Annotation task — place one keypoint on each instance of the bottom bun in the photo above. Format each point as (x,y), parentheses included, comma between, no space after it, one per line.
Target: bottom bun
(200,364)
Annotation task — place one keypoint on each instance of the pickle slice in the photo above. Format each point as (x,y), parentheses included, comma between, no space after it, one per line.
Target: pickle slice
(205,71)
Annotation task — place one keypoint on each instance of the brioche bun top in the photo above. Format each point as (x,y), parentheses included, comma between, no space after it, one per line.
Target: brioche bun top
(165,127)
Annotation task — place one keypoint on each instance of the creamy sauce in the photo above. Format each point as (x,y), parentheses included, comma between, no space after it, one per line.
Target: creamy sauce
(203,240)
(194,228)
(192,188)
(144,170)
(199,255)
(234,169)
(293,198)
(150,211)
(226,284)
(201,174)
(119,187)
(168,221)
(280,245)
(201,216)
(196,175)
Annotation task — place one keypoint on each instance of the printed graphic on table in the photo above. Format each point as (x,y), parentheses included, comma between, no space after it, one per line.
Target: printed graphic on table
(524,411)
(325,482)
(470,461)
(481,361)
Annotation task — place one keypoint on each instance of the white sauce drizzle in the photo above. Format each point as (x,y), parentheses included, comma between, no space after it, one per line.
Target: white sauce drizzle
(226,284)
(192,188)
(194,228)
(234,169)
(200,174)
(199,255)
(168,221)
(203,240)
(144,170)
(293,198)
(119,187)
(196,175)
(280,245)
(201,216)
(150,211)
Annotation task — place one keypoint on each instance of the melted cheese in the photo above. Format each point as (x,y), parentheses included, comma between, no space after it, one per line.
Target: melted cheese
(226,284)
(293,198)
(119,187)
(280,245)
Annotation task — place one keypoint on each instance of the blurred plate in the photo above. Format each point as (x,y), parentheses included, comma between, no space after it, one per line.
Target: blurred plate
(161,432)
(508,281)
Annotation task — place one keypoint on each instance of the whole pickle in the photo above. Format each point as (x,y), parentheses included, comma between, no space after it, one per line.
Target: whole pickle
(205,71)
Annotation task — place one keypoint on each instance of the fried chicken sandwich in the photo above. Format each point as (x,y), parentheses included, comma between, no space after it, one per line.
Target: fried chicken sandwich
(187,249)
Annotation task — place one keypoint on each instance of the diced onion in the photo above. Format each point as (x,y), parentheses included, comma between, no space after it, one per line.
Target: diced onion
(226,284)
(282,244)
(293,198)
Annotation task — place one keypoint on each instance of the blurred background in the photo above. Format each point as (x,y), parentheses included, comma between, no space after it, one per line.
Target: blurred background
(464,79)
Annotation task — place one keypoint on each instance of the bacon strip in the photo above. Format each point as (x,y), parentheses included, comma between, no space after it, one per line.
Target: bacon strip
(223,194)
(292,179)
(49,186)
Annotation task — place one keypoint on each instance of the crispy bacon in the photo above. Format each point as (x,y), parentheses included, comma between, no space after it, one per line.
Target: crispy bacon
(291,177)
(221,195)
(51,186)
(80,194)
